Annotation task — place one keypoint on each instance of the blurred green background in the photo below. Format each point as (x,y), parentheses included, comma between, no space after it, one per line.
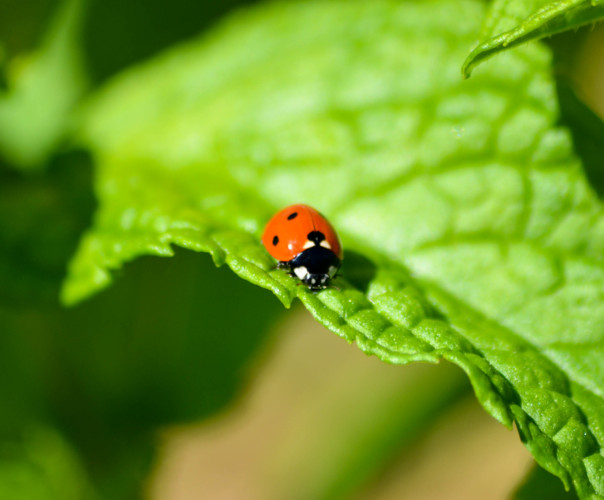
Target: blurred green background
(90,395)
(85,389)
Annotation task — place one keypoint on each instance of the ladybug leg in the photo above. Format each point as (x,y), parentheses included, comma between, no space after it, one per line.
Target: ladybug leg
(287,267)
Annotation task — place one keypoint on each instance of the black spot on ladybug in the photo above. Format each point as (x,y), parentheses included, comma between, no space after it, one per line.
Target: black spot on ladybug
(292,216)
(316,236)
(275,240)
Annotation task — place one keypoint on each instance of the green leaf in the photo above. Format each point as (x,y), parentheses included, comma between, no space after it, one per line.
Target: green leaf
(540,484)
(482,241)
(143,30)
(160,347)
(43,90)
(109,372)
(53,210)
(139,356)
(512,22)
(40,465)
(3,84)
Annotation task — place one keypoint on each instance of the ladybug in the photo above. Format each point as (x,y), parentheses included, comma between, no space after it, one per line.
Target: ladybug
(303,241)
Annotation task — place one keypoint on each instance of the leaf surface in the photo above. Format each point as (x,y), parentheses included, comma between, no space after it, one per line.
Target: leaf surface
(43,89)
(470,231)
(512,22)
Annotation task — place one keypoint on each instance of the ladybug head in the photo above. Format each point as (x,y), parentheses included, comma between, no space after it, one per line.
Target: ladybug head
(315,266)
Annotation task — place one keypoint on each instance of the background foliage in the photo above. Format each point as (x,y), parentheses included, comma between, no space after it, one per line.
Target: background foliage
(471,230)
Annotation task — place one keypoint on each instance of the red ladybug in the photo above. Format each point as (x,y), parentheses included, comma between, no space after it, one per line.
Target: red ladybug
(304,242)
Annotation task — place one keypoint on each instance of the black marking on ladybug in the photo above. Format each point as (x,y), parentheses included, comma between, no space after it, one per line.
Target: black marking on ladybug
(316,237)
(275,240)
(292,216)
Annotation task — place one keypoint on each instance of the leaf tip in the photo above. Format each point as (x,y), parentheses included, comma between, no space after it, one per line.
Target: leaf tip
(466,70)
(75,291)
(468,65)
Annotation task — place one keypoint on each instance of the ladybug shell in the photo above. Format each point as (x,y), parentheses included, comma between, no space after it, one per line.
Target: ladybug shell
(287,233)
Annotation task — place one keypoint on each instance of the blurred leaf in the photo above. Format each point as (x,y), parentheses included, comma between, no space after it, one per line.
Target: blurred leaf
(165,347)
(118,34)
(41,466)
(587,130)
(542,485)
(485,238)
(22,24)
(41,219)
(3,85)
(147,353)
(512,22)
(160,347)
(43,89)
(359,435)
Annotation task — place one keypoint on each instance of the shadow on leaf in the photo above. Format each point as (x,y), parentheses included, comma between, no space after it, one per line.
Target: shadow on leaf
(587,130)
(358,270)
